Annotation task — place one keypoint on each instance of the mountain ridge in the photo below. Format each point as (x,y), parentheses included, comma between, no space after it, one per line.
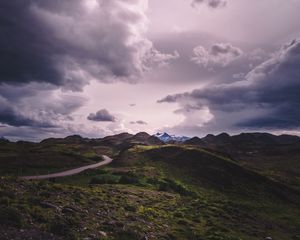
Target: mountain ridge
(165,137)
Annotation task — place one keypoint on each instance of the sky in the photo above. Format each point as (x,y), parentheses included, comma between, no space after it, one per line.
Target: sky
(187,67)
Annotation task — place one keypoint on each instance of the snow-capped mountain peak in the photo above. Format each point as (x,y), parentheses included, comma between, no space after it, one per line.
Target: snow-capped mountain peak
(165,137)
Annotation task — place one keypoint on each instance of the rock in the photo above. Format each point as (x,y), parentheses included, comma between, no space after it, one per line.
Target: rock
(120,224)
(109,223)
(92,236)
(68,211)
(49,205)
(132,218)
(102,234)
(268,238)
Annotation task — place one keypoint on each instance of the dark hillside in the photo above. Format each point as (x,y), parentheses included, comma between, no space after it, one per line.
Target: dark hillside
(209,169)
(277,157)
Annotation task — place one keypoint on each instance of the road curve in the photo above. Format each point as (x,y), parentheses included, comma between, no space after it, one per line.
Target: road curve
(71,172)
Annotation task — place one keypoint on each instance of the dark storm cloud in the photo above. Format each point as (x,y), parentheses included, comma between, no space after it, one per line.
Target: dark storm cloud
(101,116)
(11,116)
(34,105)
(140,122)
(210,3)
(67,43)
(268,97)
(27,133)
(17,93)
(61,105)
(35,98)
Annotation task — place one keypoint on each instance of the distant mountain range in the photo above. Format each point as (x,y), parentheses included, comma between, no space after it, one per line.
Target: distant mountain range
(121,141)
(242,139)
(165,137)
(3,139)
(210,140)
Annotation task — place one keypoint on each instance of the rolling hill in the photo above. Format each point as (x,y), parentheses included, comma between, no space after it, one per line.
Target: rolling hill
(274,156)
(205,188)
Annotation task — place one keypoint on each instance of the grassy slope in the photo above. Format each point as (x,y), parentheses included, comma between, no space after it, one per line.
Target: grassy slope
(36,158)
(265,202)
(166,192)
(282,165)
(280,162)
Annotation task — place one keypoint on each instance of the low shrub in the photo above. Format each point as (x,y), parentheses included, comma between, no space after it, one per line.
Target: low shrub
(168,185)
(39,214)
(221,236)
(61,227)
(130,208)
(129,179)
(128,234)
(5,201)
(10,217)
(105,179)
(7,193)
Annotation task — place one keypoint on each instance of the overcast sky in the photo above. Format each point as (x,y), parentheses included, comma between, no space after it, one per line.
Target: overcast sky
(99,67)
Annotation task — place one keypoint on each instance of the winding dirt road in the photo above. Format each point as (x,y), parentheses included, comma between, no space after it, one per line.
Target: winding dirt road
(107,160)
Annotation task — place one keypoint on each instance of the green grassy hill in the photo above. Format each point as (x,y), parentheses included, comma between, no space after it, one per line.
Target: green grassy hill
(276,157)
(211,170)
(25,158)
(190,171)
(149,192)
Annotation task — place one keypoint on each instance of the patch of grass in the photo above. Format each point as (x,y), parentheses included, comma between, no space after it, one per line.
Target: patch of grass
(105,179)
(11,217)
(125,179)
(174,186)
(23,158)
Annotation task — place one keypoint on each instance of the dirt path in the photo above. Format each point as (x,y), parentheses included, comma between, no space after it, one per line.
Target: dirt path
(107,160)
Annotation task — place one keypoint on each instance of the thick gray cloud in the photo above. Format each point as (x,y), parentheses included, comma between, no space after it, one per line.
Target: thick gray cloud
(36,109)
(48,47)
(63,45)
(210,3)
(38,134)
(219,55)
(101,116)
(68,43)
(268,97)
(11,116)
